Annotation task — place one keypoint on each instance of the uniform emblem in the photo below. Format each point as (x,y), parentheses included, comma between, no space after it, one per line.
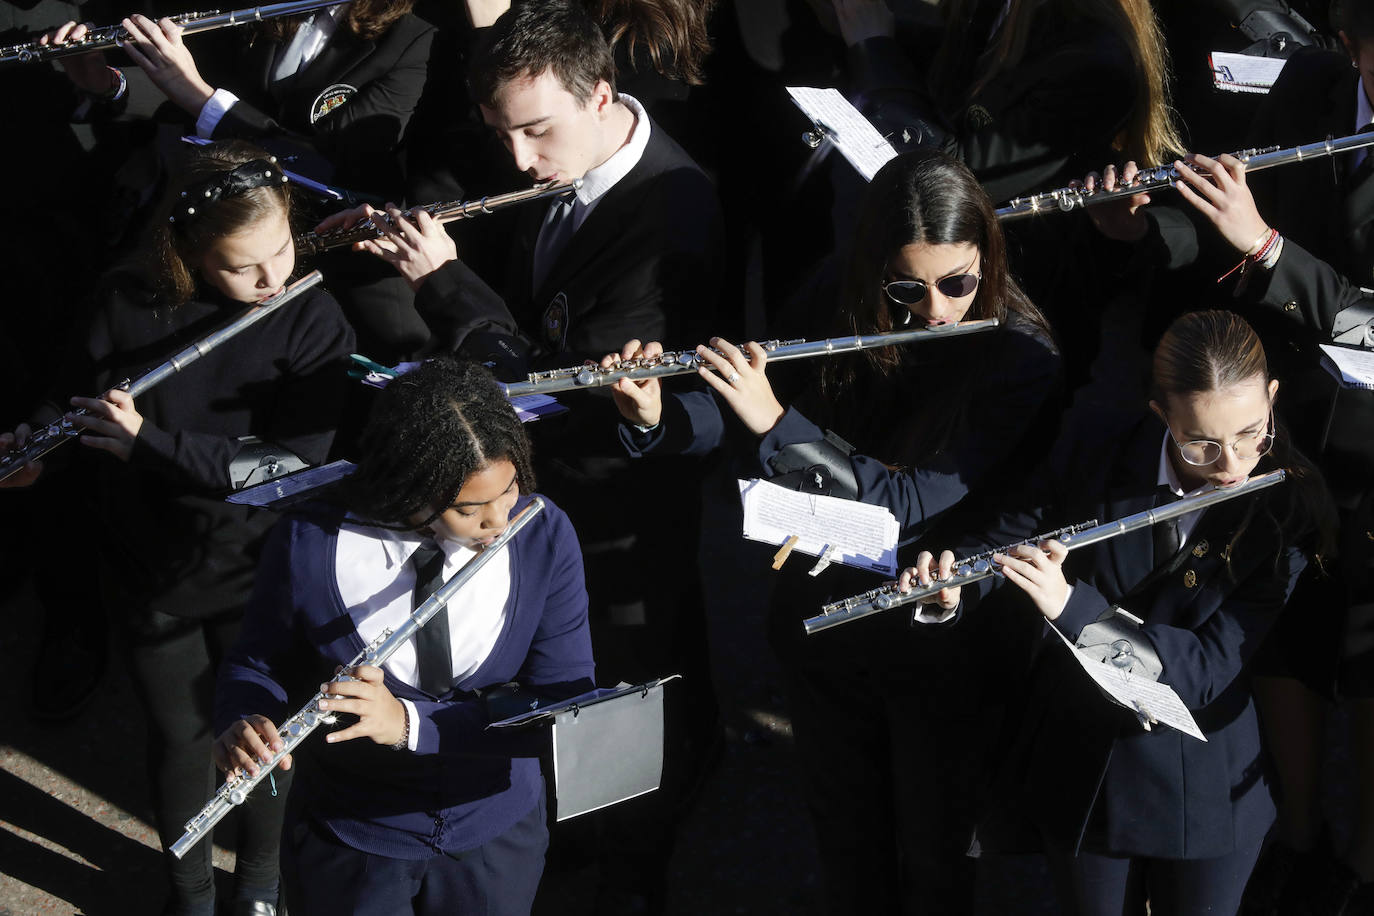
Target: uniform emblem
(555,322)
(1189,579)
(1201,549)
(332,97)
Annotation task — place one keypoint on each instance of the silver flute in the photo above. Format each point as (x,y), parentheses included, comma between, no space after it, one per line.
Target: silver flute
(308,243)
(681,362)
(976,568)
(1063,200)
(297,728)
(109,36)
(41,441)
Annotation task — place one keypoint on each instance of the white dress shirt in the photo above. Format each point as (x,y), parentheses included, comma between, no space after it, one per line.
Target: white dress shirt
(1364,114)
(376,582)
(310,39)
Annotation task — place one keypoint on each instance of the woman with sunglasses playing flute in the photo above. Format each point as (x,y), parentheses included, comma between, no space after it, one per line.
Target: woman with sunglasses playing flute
(1128,815)
(933,425)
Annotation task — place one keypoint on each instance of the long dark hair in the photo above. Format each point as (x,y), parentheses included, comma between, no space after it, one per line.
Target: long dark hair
(167,262)
(1212,350)
(921,196)
(430,430)
(368,19)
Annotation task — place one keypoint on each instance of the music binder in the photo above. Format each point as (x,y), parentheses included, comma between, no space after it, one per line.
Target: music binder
(1351,367)
(607,745)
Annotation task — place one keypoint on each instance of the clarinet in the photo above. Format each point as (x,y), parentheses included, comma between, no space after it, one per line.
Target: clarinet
(108,37)
(308,243)
(681,362)
(1063,200)
(296,729)
(980,566)
(42,441)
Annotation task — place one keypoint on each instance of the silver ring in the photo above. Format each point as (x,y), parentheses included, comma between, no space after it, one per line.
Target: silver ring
(732,378)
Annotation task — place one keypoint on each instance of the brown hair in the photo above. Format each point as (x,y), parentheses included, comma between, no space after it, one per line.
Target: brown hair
(1208,351)
(1151,135)
(176,246)
(673,32)
(531,38)
(367,19)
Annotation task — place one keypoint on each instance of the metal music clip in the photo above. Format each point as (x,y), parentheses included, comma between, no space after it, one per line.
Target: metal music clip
(819,133)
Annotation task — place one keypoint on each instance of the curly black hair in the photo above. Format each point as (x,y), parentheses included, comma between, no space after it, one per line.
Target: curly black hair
(430,430)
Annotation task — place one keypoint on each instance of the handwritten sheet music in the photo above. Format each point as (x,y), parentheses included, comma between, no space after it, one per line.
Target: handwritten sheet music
(860,535)
(1150,700)
(855,138)
(1243,73)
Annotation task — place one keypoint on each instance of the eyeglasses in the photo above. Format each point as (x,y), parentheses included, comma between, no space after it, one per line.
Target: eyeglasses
(1202,452)
(910,292)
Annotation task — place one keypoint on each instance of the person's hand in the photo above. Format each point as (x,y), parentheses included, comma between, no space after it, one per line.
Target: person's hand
(1119,219)
(246,746)
(415,247)
(1038,572)
(381,716)
(922,574)
(640,402)
(1225,201)
(158,50)
(88,72)
(860,20)
(742,383)
(111,422)
(29,472)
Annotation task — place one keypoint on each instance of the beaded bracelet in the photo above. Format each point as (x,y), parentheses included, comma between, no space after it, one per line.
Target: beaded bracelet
(1265,252)
(404,743)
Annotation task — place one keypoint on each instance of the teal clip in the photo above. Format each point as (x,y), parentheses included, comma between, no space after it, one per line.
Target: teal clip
(363,367)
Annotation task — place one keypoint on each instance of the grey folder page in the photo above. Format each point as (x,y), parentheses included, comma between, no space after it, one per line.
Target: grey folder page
(607,753)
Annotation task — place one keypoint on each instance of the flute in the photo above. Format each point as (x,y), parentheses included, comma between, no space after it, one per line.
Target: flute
(41,441)
(680,362)
(308,243)
(1062,200)
(980,566)
(111,35)
(296,729)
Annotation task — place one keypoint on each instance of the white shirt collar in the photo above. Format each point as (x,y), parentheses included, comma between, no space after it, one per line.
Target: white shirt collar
(398,546)
(1168,477)
(601,179)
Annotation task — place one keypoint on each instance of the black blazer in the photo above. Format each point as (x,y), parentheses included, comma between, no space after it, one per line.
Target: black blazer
(355,144)
(646,263)
(1082,770)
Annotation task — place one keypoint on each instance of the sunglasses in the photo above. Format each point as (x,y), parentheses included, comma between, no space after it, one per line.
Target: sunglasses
(911,292)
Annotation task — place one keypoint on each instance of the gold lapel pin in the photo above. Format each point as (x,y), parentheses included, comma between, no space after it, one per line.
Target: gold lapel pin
(1189,579)
(1201,549)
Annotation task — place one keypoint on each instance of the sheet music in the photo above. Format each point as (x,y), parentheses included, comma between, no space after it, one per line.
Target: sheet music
(1354,367)
(862,535)
(264,494)
(1149,700)
(855,138)
(1243,73)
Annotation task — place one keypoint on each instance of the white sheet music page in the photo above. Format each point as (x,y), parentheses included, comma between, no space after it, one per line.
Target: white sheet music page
(1356,366)
(1149,700)
(1243,73)
(855,138)
(862,535)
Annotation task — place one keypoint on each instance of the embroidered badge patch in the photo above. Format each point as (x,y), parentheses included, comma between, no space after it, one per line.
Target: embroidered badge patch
(555,322)
(332,97)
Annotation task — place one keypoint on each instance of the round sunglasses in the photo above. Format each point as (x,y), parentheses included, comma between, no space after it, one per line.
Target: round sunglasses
(911,292)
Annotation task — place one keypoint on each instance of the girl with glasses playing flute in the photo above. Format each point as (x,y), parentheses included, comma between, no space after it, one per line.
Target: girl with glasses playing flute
(933,426)
(1128,815)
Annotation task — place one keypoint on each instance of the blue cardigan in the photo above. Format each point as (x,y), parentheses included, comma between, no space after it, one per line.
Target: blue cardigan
(464,785)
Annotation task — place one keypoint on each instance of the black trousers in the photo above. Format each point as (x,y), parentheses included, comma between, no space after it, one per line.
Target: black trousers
(324,877)
(173,662)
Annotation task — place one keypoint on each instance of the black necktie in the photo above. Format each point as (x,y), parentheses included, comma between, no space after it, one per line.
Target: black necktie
(433,652)
(1167,537)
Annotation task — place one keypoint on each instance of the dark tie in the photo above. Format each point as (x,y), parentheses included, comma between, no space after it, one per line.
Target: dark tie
(433,653)
(1167,537)
(553,238)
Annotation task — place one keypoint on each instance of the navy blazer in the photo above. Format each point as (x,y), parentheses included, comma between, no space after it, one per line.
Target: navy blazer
(1083,769)
(1009,409)
(463,785)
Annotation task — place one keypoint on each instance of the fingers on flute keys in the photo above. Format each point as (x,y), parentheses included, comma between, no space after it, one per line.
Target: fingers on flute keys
(246,746)
(925,572)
